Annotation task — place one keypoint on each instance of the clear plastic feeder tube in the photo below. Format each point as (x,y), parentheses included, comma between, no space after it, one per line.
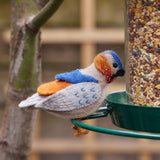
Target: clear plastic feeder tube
(143,51)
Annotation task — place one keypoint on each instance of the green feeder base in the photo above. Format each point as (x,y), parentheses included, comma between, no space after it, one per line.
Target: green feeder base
(128,116)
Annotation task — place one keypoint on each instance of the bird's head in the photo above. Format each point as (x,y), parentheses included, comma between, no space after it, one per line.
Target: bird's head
(109,64)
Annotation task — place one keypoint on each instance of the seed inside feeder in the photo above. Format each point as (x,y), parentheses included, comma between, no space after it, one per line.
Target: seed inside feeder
(143,49)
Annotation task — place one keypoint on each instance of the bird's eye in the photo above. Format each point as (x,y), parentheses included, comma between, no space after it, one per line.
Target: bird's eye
(115,65)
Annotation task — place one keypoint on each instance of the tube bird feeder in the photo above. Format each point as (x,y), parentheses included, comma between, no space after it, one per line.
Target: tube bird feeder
(143,51)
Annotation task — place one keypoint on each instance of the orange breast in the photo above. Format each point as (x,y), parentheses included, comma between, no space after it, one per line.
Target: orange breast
(52,87)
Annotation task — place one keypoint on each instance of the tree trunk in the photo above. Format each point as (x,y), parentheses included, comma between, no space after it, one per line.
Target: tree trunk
(24,76)
(18,125)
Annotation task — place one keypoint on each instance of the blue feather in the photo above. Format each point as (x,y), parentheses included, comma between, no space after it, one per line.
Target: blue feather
(75,77)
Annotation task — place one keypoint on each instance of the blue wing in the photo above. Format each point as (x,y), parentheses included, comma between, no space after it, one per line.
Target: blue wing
(75,77)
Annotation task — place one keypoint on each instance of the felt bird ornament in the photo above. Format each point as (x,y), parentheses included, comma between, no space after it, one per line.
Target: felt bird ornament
(78,93)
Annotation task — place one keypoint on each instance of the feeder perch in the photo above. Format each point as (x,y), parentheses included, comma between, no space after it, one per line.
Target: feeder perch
(137,108)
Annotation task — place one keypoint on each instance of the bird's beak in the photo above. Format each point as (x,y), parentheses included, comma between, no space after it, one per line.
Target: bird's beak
(114,76)
(121,72)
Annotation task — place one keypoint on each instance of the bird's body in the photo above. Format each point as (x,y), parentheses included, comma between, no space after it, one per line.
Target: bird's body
(78,93)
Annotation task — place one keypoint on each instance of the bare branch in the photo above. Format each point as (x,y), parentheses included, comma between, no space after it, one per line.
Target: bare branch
(45,13)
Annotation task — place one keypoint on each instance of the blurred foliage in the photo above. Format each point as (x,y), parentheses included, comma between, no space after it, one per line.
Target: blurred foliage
(108,14)
(67,15)
(4,13)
